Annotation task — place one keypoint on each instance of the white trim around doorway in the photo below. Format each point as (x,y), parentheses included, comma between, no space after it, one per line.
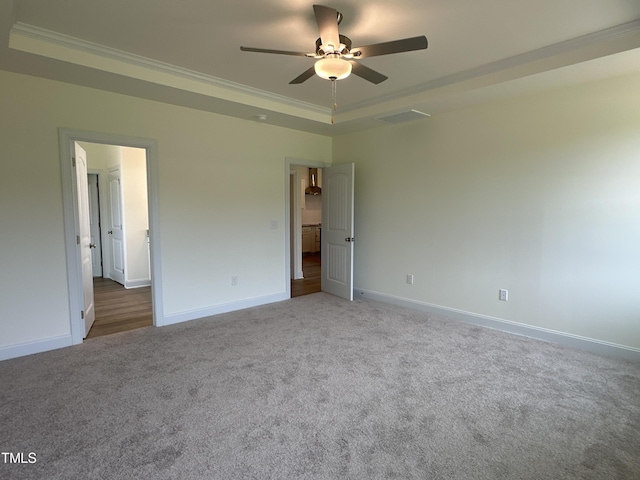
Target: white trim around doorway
(70,210)
(288,163)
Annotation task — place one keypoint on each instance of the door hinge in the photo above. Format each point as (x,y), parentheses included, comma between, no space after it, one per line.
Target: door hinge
(78,239)
(73,161)
(82,314)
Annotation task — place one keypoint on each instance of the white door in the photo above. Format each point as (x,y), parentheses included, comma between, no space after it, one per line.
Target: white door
(84,237)
(94,218)
(115,229)
(337,230)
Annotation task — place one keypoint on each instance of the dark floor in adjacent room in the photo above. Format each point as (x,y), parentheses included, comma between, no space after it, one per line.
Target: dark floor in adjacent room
(311,269)
(119,309)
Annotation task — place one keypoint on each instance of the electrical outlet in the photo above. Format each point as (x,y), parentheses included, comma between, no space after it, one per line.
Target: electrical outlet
(409,279)
(503,295)
(234,280)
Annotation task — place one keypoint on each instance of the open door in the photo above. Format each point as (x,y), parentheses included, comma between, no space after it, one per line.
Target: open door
(84,237)
(337,230)
(116,230)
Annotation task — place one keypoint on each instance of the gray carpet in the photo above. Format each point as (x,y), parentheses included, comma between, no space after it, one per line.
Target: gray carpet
(317,387)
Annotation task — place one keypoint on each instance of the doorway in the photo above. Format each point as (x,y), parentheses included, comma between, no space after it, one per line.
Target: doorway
(119,225)
(337,226)
(145,240)
(306,229)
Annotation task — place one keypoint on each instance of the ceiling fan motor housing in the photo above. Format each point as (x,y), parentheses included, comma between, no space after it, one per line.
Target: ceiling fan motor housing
(345,43)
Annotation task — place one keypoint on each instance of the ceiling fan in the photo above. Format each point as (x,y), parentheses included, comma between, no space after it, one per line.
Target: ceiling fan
(336,59)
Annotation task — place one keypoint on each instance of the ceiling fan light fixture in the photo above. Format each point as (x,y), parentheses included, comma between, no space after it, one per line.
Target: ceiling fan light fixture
(332,68)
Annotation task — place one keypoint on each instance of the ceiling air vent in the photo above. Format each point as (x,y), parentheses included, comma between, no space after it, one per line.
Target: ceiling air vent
(403,116)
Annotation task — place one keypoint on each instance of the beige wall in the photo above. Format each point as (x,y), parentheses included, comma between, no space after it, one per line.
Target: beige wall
(539,195)
(221,182)
(136,217)
(100,156)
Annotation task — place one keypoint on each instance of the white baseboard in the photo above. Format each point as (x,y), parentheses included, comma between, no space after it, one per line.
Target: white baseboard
(39,346)
(561,338)
(141,282)
(223,308)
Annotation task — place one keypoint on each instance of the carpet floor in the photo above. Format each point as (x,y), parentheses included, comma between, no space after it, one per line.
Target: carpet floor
(319,388)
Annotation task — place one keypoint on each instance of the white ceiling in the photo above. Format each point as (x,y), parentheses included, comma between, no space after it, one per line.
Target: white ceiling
(188,52)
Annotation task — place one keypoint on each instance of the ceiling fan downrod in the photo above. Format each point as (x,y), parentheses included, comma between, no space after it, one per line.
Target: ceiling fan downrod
(334,89)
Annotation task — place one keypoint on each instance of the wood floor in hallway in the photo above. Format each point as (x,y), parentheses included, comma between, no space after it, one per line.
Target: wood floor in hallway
(311,269)
(119,309)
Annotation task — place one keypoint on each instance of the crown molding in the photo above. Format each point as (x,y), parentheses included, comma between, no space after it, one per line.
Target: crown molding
(595,39)
(30,32)
(39,41)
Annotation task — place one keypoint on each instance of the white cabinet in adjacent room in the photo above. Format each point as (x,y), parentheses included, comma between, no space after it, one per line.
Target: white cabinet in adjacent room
(310,238)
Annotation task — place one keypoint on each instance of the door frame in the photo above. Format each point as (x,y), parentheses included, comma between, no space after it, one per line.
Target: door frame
(288,163)
(294,225)
(98,173)
(67,138)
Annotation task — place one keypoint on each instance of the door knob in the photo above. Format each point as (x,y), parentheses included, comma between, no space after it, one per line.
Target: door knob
(92,245)
(349,239)
(110,232)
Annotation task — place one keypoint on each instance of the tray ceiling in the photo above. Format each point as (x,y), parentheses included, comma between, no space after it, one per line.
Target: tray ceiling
(188,52)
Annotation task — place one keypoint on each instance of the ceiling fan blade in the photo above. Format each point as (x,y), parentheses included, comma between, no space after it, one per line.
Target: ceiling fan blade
(366,73)
(395,46)
(306,75)
(279,52)
(327,19)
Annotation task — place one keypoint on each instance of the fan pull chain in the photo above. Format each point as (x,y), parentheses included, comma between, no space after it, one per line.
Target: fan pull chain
(333,99)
